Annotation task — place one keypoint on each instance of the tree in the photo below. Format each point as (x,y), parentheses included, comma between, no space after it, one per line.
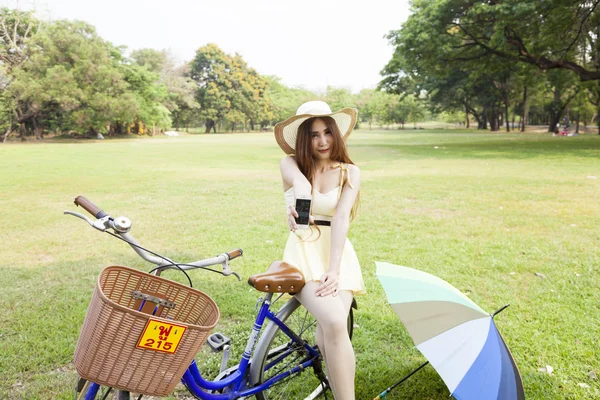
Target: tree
(462,53)
(5,113)
(522,31)
(153,60)
(181,90)
(74,79)
(72,70)
(339,98)
(16,30)
(228,89)
(182,95)
(285,100)
(149,95)
(563,90)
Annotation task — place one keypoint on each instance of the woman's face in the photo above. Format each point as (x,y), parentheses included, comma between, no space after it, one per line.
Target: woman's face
(322,140)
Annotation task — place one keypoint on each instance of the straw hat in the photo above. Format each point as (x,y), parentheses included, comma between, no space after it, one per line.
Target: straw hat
(286,131)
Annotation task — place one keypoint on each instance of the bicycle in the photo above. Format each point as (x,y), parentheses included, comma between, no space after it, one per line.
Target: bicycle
(276,355)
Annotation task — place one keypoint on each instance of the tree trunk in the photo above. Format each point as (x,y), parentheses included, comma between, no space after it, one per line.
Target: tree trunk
(506,120)
(500,114)
(554,111)
(482,122)
(493,118)
(554,120)
(577,123)
(525,108)
(557,109)
(6,135)
(467,117)
(22,131)
(36,128)
(478,118)
(209,124)
(598,89)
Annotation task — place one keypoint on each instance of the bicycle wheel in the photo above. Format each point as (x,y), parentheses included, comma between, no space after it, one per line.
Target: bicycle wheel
(104,392)
(274,343)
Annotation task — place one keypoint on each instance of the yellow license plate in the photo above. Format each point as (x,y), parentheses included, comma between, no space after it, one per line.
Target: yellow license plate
(161,336)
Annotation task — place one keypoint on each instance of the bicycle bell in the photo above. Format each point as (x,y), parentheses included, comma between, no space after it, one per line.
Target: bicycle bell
(122,224)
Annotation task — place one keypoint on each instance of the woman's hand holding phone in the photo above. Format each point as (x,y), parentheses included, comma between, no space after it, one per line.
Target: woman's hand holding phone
(299,214)
(292,215)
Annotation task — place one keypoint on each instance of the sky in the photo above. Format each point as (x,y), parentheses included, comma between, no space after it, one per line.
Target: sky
(307,43)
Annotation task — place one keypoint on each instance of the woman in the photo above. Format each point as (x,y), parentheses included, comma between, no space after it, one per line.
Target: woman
(318,165)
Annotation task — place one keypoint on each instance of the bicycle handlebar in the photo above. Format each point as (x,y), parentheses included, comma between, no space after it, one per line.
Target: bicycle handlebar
(121,227)
(90,207)
(234,253)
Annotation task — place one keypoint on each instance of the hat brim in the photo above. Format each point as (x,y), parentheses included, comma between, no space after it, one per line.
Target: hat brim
(286,132)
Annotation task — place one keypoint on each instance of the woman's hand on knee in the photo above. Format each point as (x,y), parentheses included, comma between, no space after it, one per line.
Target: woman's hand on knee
(329,284)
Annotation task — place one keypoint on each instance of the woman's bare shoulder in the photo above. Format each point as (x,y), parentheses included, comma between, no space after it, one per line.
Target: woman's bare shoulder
(353,168)
(288,159)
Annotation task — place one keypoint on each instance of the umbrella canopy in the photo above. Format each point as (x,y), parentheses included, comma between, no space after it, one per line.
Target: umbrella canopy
(458,338)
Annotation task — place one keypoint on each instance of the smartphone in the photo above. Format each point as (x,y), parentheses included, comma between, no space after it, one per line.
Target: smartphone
(303,210)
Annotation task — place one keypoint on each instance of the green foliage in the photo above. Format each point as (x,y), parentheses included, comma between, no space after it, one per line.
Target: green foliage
(149,95)
(62,77)
(462,55)
(74,80)
(229,90)
(286,100)
(180,95)
(16,29)
(339,98)
(5,112)
(153,60)
(70,68)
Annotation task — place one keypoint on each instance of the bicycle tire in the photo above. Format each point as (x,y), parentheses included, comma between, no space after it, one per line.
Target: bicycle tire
(273,340)
(104,392)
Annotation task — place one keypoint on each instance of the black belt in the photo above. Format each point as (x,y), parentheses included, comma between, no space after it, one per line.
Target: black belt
(322,222)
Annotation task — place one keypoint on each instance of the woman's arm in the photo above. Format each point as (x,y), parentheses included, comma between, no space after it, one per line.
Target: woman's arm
(339,232)
(292,177)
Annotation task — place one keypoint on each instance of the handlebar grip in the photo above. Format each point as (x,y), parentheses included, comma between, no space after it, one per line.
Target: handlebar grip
(89,207)
(235,253)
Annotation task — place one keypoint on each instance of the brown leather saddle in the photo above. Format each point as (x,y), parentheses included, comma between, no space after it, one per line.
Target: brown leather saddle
(279,278)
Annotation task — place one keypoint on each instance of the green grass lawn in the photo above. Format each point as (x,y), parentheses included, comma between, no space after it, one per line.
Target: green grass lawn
(485,212)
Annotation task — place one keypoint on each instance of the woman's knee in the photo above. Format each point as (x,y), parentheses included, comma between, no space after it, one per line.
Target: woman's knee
(335,325)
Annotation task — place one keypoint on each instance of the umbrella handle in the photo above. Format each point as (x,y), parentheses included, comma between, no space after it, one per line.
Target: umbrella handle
(386,391)
(381,395)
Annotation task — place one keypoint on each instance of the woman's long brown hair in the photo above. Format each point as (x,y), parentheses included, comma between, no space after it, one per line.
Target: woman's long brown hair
(304,153)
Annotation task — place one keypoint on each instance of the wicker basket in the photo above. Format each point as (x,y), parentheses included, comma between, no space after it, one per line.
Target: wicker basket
(107,351)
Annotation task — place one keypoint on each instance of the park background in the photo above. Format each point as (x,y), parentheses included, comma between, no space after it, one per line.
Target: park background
(493,202)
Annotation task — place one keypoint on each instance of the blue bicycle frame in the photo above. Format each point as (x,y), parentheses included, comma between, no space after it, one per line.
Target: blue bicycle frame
(235,385)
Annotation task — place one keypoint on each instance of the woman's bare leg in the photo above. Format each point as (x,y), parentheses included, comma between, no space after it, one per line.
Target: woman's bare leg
(331,313)
(346,297)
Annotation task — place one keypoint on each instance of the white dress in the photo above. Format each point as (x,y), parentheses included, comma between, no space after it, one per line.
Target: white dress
(309,251)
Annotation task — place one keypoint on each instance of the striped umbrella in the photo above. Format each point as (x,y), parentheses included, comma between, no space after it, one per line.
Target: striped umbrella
(459,339)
